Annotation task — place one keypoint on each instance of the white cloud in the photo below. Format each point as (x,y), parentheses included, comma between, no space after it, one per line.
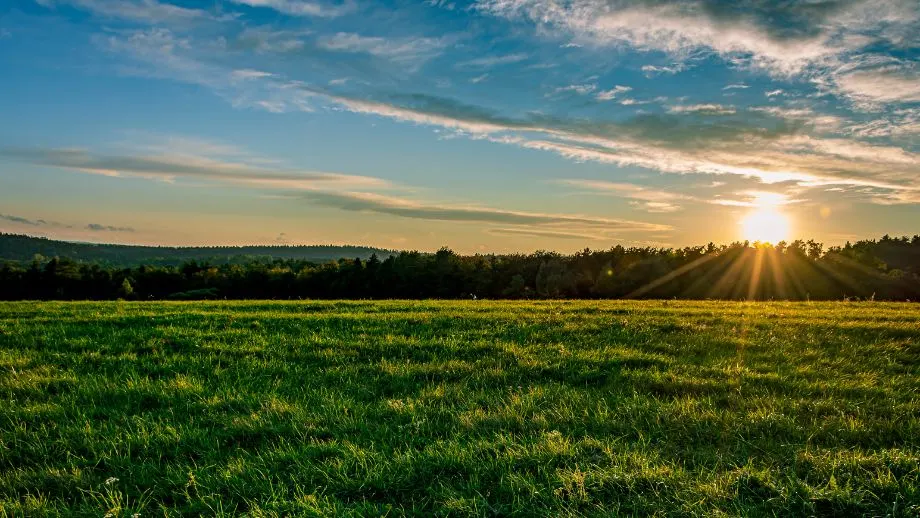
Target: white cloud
(755,199)
(653,70)
(303,7)
(821,122)
(581,235)
(403,207)
(782,39)
(736,86)
(169,56)
(146,144)
(324,189)
(705,109)
(800,159)
(262,39)
(170,166)
(580,89)
(246,73)
(684,146)
(651,200)
(398,49)
(443,4)
(144,11)
(609,95)
(900,123)
(677,29)
(887,84)
(629,101)
(492,61)
(473,125)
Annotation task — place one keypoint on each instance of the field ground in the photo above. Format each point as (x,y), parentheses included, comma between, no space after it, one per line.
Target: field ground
(460,408)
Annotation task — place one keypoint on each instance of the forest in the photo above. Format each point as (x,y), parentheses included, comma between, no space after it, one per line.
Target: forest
(883,269)
(19,247)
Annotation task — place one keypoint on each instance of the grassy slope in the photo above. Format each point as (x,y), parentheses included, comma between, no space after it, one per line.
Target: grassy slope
(460,407)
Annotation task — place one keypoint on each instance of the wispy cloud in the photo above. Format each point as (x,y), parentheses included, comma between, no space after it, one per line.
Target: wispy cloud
(395,206)
(649,199)
(609,95)
(686,139)
(167,55)
(493,61)
(778,155)
(169,167)
(653,70)
(736,86)
(703,109)
(780,38)
(144,11)
(96,227)
(448,5)
(870,87)
(755,199)
(552,234)
(265,40)
(806,116)
(304,7)
(23,221)
(321,189)
(247,73)
(450,115)
(580,89)
(781,155)
(414,49)
(899,123)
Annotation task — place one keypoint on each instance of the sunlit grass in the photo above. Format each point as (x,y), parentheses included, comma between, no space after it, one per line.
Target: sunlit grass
(460,408)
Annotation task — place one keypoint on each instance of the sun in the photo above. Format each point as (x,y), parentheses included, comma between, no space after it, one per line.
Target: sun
(766,225)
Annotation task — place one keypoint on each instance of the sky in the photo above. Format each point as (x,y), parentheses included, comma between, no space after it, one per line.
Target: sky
(484,126)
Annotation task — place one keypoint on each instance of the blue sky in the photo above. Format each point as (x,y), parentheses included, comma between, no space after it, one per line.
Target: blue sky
(492,125)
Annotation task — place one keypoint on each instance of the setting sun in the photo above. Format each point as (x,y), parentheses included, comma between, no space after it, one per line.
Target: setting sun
(766,225)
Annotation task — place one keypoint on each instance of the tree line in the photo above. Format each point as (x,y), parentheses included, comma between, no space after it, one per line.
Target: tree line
(19,247)
(884,269)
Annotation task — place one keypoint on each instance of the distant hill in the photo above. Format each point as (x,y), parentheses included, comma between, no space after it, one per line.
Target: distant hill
(24,248)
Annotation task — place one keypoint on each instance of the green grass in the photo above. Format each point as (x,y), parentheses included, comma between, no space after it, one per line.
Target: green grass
(460,408)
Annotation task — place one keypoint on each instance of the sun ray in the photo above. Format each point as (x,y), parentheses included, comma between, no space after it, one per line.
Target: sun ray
(729,275)
(779,274)
(754,283)
(672,275)
(843,278)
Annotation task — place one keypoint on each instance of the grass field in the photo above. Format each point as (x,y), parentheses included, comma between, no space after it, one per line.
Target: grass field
(460,408)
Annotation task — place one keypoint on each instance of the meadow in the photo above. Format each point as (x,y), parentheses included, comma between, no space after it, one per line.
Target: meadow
(472,408)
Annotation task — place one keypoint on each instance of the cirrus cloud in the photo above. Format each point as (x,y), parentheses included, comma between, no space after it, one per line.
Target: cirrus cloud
(402,207)
(304,7)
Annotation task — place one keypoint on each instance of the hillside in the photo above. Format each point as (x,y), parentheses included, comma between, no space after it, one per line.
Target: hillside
(23,248)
